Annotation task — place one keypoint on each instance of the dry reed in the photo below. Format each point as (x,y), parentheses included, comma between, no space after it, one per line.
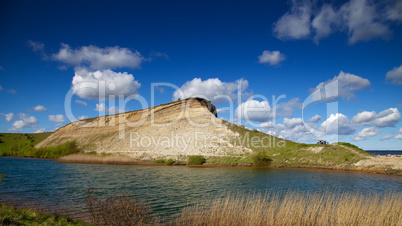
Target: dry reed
(294,208)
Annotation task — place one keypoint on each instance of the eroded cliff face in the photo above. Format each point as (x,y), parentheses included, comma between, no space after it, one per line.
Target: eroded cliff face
(177,129)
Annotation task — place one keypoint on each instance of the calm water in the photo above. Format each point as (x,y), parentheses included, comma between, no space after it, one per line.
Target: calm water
(61,187)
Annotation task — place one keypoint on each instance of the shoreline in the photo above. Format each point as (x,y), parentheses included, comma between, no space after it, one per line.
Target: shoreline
(216,165)
(236,165)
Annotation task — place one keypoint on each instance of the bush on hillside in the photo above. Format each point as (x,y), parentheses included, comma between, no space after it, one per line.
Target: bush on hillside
(196,160)
(170,162)
(261,159)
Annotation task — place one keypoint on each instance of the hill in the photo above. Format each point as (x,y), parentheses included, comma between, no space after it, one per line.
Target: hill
(190,127)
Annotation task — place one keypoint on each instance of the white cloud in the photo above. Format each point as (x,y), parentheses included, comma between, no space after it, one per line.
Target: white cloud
(9,117)
(83,103)
(395,75)
(296,23)
(254,110)
(36,46)
(325,22)
(386,118)
(386,137)
(271,57)
(400,130)
(398,136)
(99,58)
(366,132)
(337,124)
(315,119)
(57,118)
(296,132)
(268,124)
(39,108)
(213,89)
(344,85)
(292,122)
(40,130)
(116,84)
(362,20)
(82,117)
(260,111)
(26,121)
(394,12)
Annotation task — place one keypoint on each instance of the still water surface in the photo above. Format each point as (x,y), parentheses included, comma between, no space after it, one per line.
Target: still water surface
(61,187)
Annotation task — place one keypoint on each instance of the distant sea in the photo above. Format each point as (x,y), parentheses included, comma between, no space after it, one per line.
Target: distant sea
(385,152)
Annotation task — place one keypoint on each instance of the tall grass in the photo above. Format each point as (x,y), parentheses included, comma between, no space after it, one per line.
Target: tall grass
(295,208)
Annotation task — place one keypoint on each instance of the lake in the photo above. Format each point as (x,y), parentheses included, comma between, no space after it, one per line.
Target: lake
(61,187)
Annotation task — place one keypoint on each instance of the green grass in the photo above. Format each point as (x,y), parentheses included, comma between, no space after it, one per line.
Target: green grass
(160,161)
(17,144)
(15,216)
(170,162)
(354,147)
(288,153)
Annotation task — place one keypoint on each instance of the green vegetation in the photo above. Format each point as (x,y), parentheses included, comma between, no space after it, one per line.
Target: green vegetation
(15,216)
(261,159)
(354,147)
(196,160)
(12,144)
(284,152)
(170,162)
(15,144)
(160,161)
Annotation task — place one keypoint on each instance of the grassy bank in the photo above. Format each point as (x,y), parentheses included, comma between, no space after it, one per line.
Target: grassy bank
(18,144)
(15,216)
(284,152)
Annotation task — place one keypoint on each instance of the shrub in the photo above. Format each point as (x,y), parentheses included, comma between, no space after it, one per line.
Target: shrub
(160,161)
(118,210)
(170,162)
(261,159)
(196,160)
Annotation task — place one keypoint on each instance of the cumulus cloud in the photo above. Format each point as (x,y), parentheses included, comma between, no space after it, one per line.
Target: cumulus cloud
(292,122)
(39,108)
(296,133)
(271,57)
(213,89)
(362,20)
(337,124)
(26,121)
(366,132)
(261,111)
(314,119)
(395,75)
(386,118)
(343,85)
(9,116)
(99,58)
(398,136)
(86,84)
(296,23)
(83,103)
(57,118)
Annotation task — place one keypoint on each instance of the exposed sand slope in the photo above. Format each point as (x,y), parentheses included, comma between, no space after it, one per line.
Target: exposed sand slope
(177,129)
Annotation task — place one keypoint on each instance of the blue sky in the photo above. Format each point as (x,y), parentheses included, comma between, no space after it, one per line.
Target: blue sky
(206,48)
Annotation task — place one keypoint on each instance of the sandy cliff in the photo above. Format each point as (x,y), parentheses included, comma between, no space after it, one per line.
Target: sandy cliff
(177,129)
